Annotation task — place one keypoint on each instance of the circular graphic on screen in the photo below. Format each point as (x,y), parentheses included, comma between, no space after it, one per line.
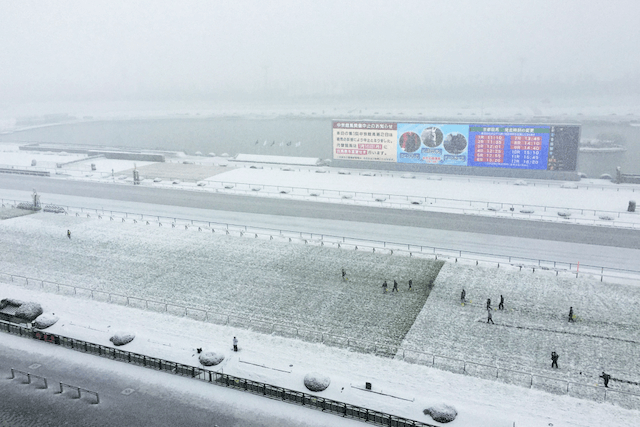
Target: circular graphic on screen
(409,142)
(455,143)
(432,137)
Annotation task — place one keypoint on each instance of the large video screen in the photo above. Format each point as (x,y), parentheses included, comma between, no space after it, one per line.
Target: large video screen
(538,147)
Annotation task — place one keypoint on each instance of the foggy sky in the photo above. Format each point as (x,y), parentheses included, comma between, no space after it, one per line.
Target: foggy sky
(105,50)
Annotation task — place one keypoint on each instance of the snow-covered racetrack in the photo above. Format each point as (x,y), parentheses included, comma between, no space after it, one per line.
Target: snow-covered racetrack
(297,285)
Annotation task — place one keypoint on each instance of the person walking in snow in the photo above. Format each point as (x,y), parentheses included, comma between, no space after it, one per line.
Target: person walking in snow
(501,305)
(571,319)
(606,378)
(462,297)
(69,234)
(395,286)
(384,287)
(410,283)
(489,317)
(235,344)
(554,359)
(488,303)
(344,275)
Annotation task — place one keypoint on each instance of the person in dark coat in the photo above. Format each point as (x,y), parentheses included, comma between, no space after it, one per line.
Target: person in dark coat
(384,287)
(571,319)
(606,378)
(235,344)
(501,305)
(395,286)
(69,233)
(489,318)
(488,303)
(344,275)
(463,294)
(554,359)
(410,283)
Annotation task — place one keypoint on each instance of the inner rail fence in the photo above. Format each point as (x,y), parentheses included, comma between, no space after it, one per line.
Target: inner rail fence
(473,207)
(383,349)
(85,167)
(408,249)
(254,387)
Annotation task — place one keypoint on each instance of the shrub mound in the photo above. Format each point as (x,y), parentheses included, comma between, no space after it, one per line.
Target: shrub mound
(29,311)
(211,358)
(441,413)
(45,320)
(54,209)
(122,338)
(316,382)
(25,310)
(10,301)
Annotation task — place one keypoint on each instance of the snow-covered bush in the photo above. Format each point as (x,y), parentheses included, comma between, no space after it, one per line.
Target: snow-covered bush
(27,206)
(571,185)
(10,301)
(606,217)
(521,182)
(54,209)
(211,358)
(605,176)
(122,338)
(29,311)
(441,413)
(316,382)
(526,211)
(564,214)
(45,320)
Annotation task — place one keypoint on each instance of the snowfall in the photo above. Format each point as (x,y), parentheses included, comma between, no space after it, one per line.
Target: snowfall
(302,312)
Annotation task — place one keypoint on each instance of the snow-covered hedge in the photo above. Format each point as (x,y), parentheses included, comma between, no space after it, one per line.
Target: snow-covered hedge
(45,320)
(211,358)
(441,413)
(54,209)
(122,338)
(316,382)
(10,301)
(26,310)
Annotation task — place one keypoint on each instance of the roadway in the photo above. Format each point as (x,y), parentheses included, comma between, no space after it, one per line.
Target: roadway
(129,395)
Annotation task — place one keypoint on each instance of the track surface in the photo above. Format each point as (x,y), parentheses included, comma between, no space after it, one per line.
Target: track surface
(603,236)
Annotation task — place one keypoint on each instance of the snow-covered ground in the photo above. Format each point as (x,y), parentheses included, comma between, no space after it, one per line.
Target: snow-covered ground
(186,261)
(202,269)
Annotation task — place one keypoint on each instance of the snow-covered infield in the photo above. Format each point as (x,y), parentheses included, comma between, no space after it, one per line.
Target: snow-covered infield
(298,286)
(534,322)
(301,286)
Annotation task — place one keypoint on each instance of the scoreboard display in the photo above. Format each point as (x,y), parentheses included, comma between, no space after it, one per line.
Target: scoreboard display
(532,147)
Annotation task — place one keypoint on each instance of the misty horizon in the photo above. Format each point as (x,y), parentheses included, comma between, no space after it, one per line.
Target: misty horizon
(285,51)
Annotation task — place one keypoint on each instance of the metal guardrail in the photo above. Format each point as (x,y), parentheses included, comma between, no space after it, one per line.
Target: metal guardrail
(577,269)
(255,387)
(62,385)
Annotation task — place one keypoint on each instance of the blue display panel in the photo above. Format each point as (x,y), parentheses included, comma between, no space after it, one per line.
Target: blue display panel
(509,146)
(439,144)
